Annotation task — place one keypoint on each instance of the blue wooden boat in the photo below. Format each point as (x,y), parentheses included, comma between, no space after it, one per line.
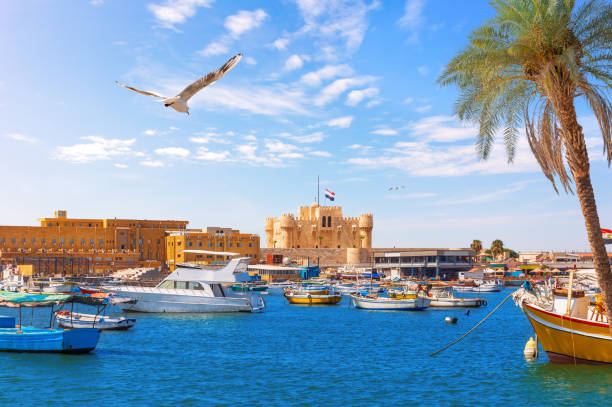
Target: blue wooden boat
(17,338)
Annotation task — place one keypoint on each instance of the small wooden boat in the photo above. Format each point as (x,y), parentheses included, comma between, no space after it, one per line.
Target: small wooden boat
(488,286)
(313,299)
(443,297)
(466,285)
(309,289)
(18,338)
(403,294)
(390,304)
(574,333)
(67,319)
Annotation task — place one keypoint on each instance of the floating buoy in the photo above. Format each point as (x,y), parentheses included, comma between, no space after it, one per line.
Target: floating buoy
(450,320)
(531,349)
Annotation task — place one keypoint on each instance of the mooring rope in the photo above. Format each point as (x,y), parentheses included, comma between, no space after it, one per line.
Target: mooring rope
(475,326)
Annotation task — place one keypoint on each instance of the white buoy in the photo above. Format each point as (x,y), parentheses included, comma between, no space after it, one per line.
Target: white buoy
(531,350)
(450,320)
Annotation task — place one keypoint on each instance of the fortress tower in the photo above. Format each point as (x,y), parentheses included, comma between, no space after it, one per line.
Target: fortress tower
(319,227)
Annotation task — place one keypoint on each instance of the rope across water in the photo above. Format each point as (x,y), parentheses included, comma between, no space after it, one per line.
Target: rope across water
(475,326)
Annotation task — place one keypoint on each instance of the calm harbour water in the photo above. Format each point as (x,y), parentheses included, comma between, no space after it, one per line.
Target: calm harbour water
(300,355)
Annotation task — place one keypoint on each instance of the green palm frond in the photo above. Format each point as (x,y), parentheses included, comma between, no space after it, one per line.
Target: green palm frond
(522,65)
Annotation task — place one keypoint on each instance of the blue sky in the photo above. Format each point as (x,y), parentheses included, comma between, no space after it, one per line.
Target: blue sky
(341,89)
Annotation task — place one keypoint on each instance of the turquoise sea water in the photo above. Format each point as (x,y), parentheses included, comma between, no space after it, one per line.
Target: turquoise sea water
(301,355)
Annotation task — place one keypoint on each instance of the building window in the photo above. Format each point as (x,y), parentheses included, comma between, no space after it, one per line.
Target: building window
(251,244)
(329,221)
(42,240)
(323,221)
(199,244)
(3,241)
(91,242)
(100,242)
(229,244)
(89,224)
(220,244)
(62,241)
(13,240)
(209,244)
(54,241)
(82,242)
(189,244)
(238,244)
(33,240)
(23,240)
(140,242)
(178,243)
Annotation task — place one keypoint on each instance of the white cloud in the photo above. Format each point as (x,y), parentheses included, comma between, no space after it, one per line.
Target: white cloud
(356,96)
(244,21)
(120,165)
(310,138)
(215,48)
(385,132)
(149,132)
(96,2)
(361,147)
(150,163)
(336,20)
(408,100)
(327,72)
(487,196)
(250,61)
(412,20)
(176,152)
(236,25)
(423,70)
(339,86)
(250,137)
(99,148)
(275,146)
(173,12)
(341,122)
(281,44)
(211,137)
(205,154)
(21,137)
(293,62)
(441,129)
(321,153)
(422,109)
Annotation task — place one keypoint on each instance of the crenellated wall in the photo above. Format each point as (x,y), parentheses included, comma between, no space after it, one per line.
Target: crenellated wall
(319,227)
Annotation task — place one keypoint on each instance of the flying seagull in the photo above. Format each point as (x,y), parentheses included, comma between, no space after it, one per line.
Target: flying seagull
(179,102)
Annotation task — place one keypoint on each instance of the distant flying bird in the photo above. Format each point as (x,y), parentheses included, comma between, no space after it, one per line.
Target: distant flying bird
(396,188)
(179,102)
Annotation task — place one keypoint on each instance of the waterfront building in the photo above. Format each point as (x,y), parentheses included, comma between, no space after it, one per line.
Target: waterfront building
(197,246)
(319,227)
(78,246)
(439,263)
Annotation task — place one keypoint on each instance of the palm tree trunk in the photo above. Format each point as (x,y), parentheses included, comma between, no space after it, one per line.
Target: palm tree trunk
(578,160)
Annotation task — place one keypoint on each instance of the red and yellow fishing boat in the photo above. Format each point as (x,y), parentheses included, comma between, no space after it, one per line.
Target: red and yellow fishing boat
(578,333)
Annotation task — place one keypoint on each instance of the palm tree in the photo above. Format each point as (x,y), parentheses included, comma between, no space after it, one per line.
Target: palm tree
(477,247)
(497,248)
(528,64)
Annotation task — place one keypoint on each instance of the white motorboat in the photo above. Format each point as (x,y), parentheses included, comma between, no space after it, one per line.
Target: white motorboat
(487,286)
(71,320)
(443,297)
(12,279)
(194,288)
(390,304)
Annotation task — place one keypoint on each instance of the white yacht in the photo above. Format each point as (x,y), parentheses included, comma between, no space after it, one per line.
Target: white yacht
(194,288)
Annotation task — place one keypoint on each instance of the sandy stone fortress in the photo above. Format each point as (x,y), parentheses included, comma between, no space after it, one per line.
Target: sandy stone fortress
(319,227)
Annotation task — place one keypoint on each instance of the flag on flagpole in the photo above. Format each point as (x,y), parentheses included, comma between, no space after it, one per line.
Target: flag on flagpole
(607,236)
(329,195)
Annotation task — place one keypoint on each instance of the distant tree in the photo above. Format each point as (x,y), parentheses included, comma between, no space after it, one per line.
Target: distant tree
(476,246)
(497,247)
(362,237)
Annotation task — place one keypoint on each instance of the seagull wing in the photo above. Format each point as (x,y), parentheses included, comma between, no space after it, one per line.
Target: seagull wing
(204,81)
(142,92)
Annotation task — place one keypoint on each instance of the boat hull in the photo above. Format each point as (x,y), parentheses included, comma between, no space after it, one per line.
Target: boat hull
(101,322)
(389,304)
(29,339)
(163,301)
(456,302)
(570,340)
(312,299)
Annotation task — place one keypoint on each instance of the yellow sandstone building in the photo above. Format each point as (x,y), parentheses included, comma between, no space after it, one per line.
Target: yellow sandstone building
(319,227)
(70,246)
(191,246)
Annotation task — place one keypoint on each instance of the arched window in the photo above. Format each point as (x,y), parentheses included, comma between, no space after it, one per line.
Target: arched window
(329,221)
(324,221)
